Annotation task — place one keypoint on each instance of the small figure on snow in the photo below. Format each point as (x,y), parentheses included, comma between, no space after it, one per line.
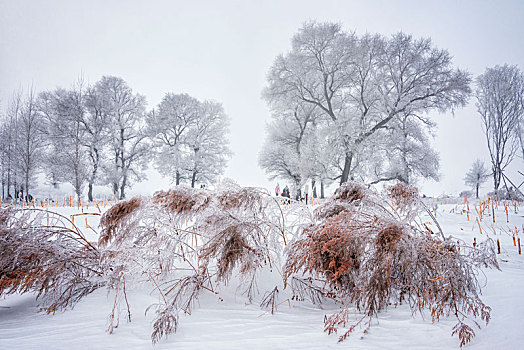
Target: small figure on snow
(285,193)
(277,189)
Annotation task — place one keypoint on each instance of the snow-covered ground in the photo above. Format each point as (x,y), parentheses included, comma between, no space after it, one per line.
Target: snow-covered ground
(227,321)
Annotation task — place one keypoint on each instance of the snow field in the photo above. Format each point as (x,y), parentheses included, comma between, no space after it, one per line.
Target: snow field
(228,321)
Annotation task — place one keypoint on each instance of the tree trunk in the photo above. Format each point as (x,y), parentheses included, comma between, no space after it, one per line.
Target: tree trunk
(478,190)
(313,183)
(78,192)
(496,177)
(193,179)
(298,195)
(347,167)
(90,191)
(123,187)
(27,182)
(322,189)
(95,157)
(8,182)
(177,178)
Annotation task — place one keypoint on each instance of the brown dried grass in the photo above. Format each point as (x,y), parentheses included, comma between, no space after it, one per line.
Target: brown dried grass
(55,262)
(182,200)
(113,219)
(403,195)
(370,258)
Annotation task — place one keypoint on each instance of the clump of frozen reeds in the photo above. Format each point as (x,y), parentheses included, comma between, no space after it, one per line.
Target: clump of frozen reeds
(185,241)
(370,251)
(49,257)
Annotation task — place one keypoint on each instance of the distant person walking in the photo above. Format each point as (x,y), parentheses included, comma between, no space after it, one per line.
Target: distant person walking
(285,193)
(277,190)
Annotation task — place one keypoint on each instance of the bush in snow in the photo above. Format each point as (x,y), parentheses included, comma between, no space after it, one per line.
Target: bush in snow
(53,261)
(185,240)
(371,252)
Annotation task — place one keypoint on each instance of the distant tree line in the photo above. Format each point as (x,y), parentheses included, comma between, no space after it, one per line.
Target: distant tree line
(102,134)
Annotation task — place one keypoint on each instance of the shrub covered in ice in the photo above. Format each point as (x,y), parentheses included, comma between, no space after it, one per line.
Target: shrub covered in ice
(370,251)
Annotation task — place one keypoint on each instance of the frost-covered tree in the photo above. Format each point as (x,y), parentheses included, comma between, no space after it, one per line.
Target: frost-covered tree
(477,175)
(168,127)
(407,153)
(290,144)
(520,133)
(499,93)
(29,146)
(10,139)
(362,84)
(127,141)
(190,138)
(66,159)
(4,151)
(96,133)
(208,144)
(319,160)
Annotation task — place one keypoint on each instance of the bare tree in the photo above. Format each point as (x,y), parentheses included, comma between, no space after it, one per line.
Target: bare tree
(499,102)
(477,175)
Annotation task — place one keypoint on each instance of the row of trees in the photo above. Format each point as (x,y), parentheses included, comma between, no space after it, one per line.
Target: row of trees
(356,107)
(102,134)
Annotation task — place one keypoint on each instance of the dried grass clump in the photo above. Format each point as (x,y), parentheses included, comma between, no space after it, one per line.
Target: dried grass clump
(350,192)
(371,255)
(348,195)
(187,241)
(112,220)
(403,195)
(182,200)
(242,198)
(327,248)
(229,247)
(388,237)
(55,262)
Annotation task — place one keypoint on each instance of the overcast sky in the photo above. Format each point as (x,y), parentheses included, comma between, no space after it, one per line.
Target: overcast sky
(222,50)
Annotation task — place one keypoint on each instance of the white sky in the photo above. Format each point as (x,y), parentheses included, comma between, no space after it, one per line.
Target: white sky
(222,50)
